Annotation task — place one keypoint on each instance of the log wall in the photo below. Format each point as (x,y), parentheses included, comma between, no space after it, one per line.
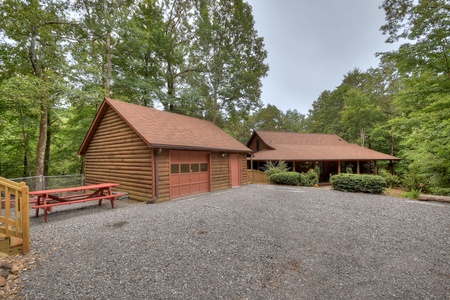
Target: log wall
(244,178)
(163,176)
(117,154)
(220,168)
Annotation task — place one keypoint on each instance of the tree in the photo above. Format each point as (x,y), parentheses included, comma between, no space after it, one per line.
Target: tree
(293,121)
(268,118)
(139,63)
(425,24)
(423,103)
(230,57)
(34,35)
(359,114)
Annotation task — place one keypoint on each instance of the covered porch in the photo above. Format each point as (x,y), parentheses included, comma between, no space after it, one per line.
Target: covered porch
(327,167)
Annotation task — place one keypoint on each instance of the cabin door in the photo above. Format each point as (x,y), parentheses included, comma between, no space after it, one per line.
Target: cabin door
(235,169)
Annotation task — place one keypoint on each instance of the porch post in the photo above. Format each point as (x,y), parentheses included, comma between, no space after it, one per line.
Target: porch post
(339,167)
(357,167)
(375,167)
(293,166)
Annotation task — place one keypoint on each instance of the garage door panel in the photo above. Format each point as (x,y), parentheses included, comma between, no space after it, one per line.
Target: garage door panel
(189,173)
(184,179)
(204,177)
(185,190)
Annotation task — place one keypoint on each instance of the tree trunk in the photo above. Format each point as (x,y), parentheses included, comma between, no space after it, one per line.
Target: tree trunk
(26,167)
(47,146)
(108,66)
(170,88)
(392,144)
(40,150)
(362,135)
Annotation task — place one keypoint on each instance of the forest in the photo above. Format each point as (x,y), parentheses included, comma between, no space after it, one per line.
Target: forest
(203,58)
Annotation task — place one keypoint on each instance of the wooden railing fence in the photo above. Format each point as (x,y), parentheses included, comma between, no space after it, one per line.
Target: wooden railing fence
(14,217)
(255,176)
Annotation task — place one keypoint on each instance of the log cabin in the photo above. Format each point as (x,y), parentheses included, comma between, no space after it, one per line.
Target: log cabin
(304,151)
(157,155)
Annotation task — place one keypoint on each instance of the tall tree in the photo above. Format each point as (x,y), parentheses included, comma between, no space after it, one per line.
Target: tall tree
(423,61)
(231,58)
(34,36)
(138,63)
(359,114)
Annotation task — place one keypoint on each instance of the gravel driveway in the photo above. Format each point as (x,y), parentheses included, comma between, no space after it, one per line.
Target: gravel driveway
(251,242)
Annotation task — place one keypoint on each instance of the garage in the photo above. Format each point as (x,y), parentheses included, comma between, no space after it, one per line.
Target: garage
(189,173)
(156,155)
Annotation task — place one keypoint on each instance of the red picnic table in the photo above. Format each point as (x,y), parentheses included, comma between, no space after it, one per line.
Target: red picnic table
(46,199)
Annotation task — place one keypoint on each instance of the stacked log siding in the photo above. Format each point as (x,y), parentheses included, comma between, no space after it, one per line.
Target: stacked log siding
(244,179)
(163,176)
(220,172)
(130,145)
(117,154)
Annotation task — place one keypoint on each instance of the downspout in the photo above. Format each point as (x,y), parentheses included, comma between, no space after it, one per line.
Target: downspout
(251,166)
(153,200)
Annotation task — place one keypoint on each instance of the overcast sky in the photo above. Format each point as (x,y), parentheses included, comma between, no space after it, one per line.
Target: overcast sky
(312,44)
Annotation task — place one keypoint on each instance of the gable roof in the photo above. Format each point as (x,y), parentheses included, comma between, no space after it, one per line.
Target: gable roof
(311,146)
(161,129)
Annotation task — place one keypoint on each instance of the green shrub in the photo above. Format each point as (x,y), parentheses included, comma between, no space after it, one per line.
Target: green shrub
(413,194)
(412,181)
(391,180)
(309,178)
(289,178)
(275,167)
(358,183)
(440,191)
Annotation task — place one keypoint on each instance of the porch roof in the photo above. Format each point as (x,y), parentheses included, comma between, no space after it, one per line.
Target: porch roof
(289,146)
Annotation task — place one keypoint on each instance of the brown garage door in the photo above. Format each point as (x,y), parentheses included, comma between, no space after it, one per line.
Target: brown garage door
(189,173)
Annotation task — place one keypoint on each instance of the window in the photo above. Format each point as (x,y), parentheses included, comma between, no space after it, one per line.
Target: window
(203,167)
(257,145)
(185,168)
(174,168)
(195,168)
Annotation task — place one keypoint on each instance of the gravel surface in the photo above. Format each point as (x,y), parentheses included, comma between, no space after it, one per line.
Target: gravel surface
(251,242)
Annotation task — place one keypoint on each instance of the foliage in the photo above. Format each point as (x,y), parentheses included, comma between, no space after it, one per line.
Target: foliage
(413,194)
(275,167)
(288,178)
(273,119)
(391,180)
(309,178)
(59,59)
(440,191)
(358,183)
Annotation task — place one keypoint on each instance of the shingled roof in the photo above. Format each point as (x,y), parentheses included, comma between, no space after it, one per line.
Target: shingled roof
(311,147)
(161,129)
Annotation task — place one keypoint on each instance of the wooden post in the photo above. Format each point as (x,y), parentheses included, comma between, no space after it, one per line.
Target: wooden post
(357,167)
(293,166)
(375,167)
(339,167)
(25,217)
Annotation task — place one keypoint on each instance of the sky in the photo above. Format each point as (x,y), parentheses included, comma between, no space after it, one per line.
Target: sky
(312,44)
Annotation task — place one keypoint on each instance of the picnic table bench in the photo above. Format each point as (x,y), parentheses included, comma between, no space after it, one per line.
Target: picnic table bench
(47,199)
